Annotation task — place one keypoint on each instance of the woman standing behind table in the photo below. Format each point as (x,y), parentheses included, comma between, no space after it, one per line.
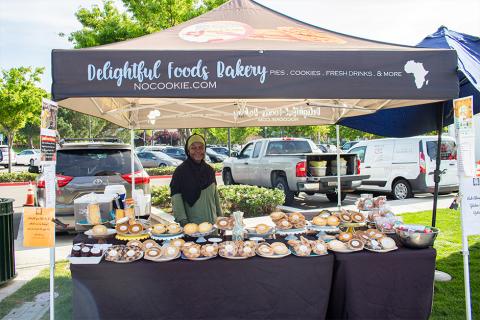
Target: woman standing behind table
(194,186)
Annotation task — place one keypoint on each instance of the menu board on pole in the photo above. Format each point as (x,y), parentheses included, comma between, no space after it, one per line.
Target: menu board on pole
(465,135)
(48,131)
(470,190)
(38,227)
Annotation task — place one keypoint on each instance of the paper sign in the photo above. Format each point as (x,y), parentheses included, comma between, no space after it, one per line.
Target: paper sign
(465,135)
(470,204)
(38,227)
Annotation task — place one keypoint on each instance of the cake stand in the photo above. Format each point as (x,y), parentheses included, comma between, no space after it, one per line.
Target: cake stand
(322,230)
(167,237)
(101,238)
(291,233)
(352,225)
(127,237)
(201,236)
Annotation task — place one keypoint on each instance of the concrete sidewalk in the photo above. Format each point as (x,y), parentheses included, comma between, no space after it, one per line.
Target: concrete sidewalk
(29,262)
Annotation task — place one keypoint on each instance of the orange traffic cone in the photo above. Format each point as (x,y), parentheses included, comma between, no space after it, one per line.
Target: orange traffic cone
(30,202)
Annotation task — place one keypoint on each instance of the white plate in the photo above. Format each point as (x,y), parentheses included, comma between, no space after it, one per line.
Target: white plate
(274,256)
(161,259)
(197,259)
(345,250)
(233,258)
(110,232)
(215,240)
(382,250)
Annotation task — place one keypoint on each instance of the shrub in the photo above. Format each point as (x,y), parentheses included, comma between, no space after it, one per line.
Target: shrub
(162,171)
(253,201)
(18,177)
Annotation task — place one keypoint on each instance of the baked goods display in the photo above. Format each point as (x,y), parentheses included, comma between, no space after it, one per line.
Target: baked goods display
(194,251)
(260,230)
(123,254)
(349,216)
(284,221)
(198,230)
(132,227)
(190,228)
(224,223)
(305,247)
(376,241)
(272,250)
(161,229)
(237,249)
(100,231)
(161,254)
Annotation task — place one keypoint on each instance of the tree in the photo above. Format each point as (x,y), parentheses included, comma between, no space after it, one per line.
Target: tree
(30,133)
(20,101)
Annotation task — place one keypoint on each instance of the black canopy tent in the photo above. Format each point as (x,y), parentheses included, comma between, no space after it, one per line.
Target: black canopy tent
(244,65)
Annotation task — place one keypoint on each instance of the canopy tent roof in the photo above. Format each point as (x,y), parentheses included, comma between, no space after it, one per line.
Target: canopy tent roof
(245,65)
(403,122)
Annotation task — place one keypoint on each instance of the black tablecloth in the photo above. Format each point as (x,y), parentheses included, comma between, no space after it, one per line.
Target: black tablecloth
(255,288)
(393,285)
(360,285)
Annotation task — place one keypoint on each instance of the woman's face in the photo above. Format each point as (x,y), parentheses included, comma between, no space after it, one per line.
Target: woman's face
(197,151)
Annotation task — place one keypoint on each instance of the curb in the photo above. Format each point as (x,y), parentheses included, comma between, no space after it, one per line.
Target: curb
(11,184)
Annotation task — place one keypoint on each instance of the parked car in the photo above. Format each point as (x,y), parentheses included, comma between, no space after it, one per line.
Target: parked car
(214,156)
(153,159)
(87,167)
(404,166)
(220,150)
(290,164)
(28,157)
(175,152)
(4,150)
(348,145)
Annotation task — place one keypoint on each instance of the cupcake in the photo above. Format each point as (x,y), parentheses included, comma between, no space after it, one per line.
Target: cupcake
(86,252)
(96,252)
(76,251)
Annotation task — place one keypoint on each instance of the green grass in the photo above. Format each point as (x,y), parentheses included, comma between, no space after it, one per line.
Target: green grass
(41,283)
(449,297)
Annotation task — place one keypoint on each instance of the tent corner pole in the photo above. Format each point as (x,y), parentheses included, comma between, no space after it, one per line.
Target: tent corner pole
(437,172)
(132,158)
(339,186)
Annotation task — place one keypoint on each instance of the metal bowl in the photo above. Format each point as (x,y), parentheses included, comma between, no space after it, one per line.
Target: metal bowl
(417,240)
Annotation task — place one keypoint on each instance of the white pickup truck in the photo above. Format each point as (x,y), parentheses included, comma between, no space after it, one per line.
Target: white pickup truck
(293,165)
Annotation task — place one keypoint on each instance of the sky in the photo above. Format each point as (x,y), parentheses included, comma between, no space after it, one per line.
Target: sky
(29,28)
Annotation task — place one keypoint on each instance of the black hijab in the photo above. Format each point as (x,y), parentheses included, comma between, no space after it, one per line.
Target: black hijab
(190,178)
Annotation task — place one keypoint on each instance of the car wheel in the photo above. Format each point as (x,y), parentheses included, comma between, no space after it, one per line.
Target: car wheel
(310,193)
(281,184)
(333,197)
(31,162)
(162,165)
(401,190)
(227,177)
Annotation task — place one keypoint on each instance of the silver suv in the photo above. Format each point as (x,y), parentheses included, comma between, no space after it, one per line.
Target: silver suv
(88,167)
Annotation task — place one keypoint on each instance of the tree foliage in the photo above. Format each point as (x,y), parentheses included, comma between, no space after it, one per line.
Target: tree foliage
(20,100)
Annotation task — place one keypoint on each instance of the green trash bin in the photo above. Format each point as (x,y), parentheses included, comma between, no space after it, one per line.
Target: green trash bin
(7,249)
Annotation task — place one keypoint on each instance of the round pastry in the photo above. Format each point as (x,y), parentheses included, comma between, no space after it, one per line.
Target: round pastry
(265,249)
(204,227)
(355,244)
(279,248)
(284,224)
(333,221)
(296,217)
(324,214)
(246,251)
(224,223)
(153,252)
(275,216)
(302,249)
(112,253)
(358,217)
(99,230)
(300,224)
(209,250)
(262,228)
(158,229)
(122,228)
(345,236)
(228,249)
(135,243)
(250,243)
(192,252)
(336,245)
(387,243)
(170,251)
(345,217)
(173,228)
(293,242)
(371,233)
(135,228)
(177,243)
(319,221)
(319,247)
(190,228)
(147,244)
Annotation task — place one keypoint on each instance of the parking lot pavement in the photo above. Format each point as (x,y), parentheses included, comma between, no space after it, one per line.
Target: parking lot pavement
(15,168)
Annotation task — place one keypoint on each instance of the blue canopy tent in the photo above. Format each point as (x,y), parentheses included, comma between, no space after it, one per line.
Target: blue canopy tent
(404,122)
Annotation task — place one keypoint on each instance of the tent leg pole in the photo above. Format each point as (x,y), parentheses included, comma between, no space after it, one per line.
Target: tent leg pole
(437,172)
(339,186)
(229,142)
(132,158)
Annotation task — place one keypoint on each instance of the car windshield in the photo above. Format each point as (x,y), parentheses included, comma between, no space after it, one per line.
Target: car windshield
(289,147)
(95,162)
